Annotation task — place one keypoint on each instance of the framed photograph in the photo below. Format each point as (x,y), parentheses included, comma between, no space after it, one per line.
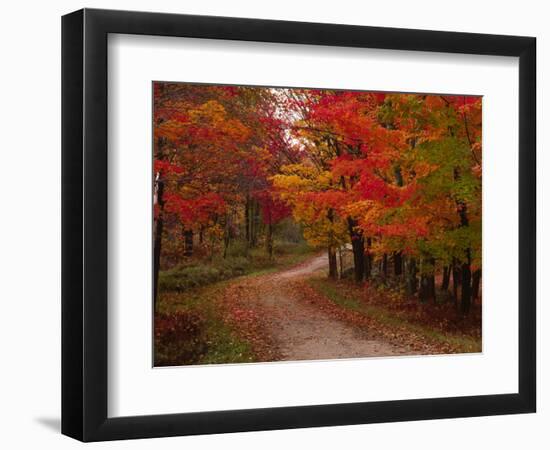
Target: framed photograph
(273,225)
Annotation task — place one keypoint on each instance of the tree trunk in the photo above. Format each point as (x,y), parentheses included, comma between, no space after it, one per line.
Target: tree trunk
(412,281)
(476,280)
(397,264)
(332,264)
(358,246)
(188,243)
(427,288)
(431,279)
(269,239)
(427,282)
(368,260)
(446,278)
(252,225)
(341,263)
(423,292)
(247,220)
(251,219)
(159,225)
(385,266)
(255,222)
(367,264)
(466,288)
(226,235)
(456,282)
(466,273)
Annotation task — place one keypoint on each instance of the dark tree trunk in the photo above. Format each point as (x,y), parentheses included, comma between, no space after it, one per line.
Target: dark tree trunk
(188,242)
(269,239)
(466,288)
(158,240)
(427,283)
(252,220)
(251,224)
(427,288)
(332,261)
(368,260)
(397,264)
(255,222)
(159,224)
(446,278)
(341,263)
(456,281)
(431,279)
(332,264)
(358,247)
(397,256)
(412,281)
(423,293)
(247,220)
(226,235)
(466,273)
(385,266)
(476,280)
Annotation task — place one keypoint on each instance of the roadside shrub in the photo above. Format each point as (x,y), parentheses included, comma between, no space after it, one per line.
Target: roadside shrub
(289,231)
(237,248)
(179,338)
(290,248)
(185,277)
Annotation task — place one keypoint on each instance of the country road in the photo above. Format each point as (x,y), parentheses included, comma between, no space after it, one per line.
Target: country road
(298,328)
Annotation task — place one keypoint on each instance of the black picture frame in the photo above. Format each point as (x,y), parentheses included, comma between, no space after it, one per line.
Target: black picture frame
(84,224)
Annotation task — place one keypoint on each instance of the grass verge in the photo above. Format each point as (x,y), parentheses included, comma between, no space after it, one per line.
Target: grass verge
(214,343)
(202,273)
(353,299)
(189,298)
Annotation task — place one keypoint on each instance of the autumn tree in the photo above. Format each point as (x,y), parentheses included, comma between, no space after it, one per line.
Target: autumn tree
(396,177)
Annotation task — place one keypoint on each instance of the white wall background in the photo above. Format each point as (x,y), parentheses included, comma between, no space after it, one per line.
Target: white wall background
(30,225)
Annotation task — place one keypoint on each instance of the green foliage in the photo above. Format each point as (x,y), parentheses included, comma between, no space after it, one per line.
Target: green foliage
(239,261)
(185,278)
(447,155)
(238,249)
(283,248)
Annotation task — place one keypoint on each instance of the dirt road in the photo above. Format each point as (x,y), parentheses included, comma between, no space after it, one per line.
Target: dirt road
(298,329)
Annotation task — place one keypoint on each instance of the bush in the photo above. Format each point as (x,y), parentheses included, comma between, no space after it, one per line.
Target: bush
(289,231)
(185,277)
(237,248)
(290,248)
(179,338)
